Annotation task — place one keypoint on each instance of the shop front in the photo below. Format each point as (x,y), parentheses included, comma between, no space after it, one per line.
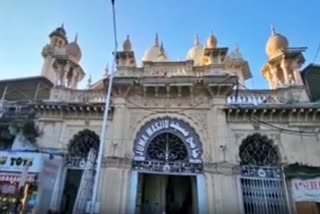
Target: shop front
(28,181)
(304,188)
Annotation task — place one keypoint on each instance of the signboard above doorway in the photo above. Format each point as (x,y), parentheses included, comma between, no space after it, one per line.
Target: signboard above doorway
(167,145)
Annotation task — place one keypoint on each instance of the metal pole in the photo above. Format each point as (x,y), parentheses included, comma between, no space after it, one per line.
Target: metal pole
(35,97)
(286,189)
(105,119)
(4,93)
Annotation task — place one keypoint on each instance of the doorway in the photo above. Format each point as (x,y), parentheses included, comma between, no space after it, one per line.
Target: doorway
(72,184)
(170,194)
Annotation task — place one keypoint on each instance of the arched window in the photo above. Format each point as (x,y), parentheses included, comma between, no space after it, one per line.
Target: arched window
(167,147)
(261,178)
(258,150)
(81,143)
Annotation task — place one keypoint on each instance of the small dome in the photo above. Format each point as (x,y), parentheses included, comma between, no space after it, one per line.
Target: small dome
(73,50)
(195,53)
(156,53)
(276,43)
(127,44)
(60,31)
(211,42)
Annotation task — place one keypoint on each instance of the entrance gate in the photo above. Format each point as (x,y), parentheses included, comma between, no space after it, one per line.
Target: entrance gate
(167,157)
(263,190)
(262,181)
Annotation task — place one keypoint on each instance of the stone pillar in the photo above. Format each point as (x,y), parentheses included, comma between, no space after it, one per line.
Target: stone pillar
(275,78)
(132,192)
(117,147)
(227,195)
(285,71)
(296,72)
(113,190)
(74,79)
(202,194)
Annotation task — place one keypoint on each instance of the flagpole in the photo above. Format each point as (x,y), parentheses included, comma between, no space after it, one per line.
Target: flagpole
(105,117)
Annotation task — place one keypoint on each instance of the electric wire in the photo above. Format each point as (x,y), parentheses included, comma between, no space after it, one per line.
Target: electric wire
(317,53)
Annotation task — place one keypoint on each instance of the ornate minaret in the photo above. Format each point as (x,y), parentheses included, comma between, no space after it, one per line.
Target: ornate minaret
(282,69)
(58,40)
(211,53)
(61,60)
(66,66)
(126,57)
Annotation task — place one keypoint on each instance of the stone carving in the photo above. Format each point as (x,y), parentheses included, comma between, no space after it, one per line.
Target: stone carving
(169,70)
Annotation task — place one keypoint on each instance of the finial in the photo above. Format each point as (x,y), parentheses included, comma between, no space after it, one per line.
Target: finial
(62,25)
(76,38)
(161,48)
(236,47)
(127,44)
(196,40)
(273,31)
(106,70)
(89,81)
(156,40)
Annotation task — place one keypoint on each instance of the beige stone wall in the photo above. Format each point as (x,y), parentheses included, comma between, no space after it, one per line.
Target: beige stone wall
(220,139)
(292,147)
(113,190)
(58,132)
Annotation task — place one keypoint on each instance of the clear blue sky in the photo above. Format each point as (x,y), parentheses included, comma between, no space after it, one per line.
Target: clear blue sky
(25,26)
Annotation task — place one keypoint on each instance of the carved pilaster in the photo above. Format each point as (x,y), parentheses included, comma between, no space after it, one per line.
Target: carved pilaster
(285,70)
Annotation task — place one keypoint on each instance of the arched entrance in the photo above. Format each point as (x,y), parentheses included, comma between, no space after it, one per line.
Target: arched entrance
(262,182)
(78,151)
(167,157)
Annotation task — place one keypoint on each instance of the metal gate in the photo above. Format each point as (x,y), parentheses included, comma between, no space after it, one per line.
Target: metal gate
(263,190)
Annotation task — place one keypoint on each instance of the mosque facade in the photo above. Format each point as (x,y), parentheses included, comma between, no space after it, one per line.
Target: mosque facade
(183,136)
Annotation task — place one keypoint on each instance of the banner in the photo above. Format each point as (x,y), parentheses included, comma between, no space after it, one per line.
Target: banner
(19,161)
(306,190)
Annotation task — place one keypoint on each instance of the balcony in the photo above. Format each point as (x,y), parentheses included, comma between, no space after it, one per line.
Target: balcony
(71,95)
(293,94)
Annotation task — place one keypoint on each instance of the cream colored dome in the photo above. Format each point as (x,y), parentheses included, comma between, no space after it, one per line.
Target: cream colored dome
(156,53)
(211,42)
(276,43)
(195,53)
(127,44)
(73,51)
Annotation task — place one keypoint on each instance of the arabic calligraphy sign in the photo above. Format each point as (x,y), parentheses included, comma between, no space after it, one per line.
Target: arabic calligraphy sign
(168,125)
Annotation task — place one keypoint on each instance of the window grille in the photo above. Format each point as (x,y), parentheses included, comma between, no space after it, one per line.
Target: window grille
(261,179)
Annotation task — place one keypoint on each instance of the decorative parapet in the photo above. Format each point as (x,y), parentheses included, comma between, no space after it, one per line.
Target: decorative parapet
(76,95)
(294,94)
(171,69)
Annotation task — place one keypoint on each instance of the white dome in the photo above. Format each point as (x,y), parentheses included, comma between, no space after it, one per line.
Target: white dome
(195,53)
(73,50)
(276,43)
(156,53)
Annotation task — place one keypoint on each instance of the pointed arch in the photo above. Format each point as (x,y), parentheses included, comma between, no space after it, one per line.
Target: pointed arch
(81,143)
(258,150)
